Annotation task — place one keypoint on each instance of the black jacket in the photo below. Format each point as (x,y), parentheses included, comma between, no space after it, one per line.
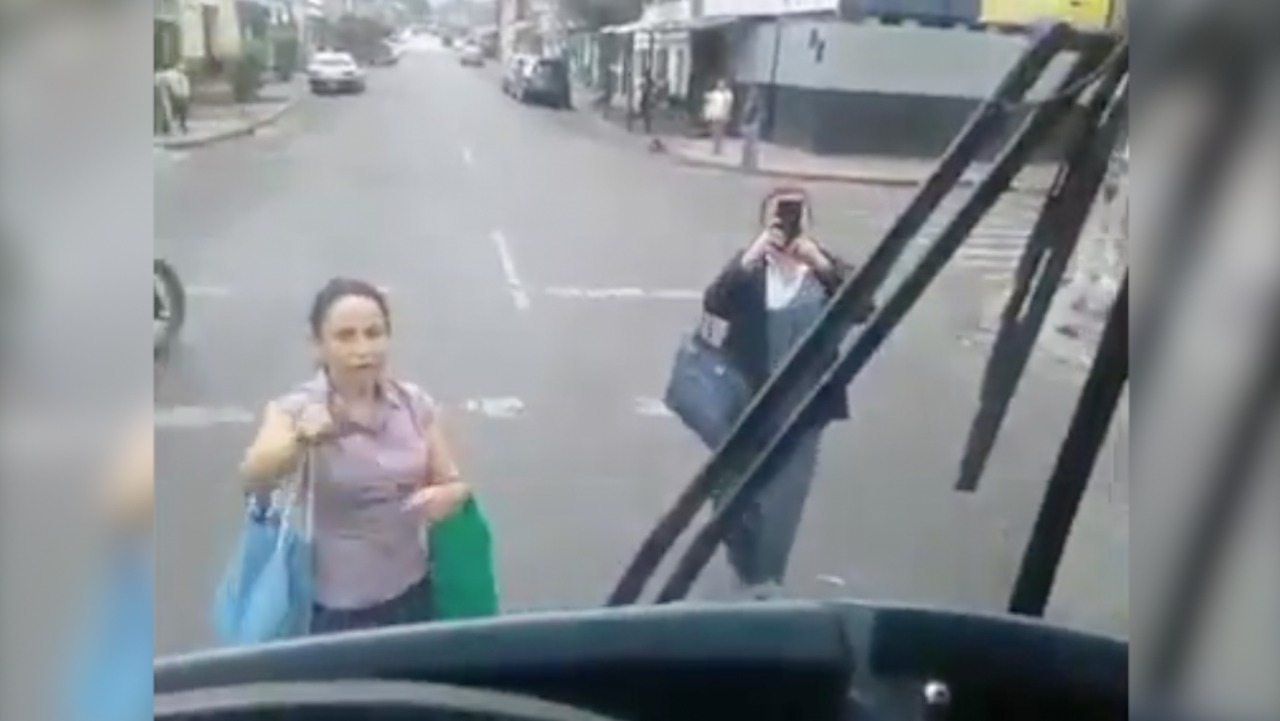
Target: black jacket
(737,296)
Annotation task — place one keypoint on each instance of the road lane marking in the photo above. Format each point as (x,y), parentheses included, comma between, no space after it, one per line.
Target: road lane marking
(652,407)
(207,291)
(467,157)
(201,290)
(193,416)
(202,417)
(503,408)
(623,293)
(519,293)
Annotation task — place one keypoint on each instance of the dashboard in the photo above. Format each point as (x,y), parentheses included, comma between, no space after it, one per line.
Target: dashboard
(790,661)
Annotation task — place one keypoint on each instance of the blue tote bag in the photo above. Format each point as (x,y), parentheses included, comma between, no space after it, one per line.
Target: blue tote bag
(706,391)
(111,676)
(267,589)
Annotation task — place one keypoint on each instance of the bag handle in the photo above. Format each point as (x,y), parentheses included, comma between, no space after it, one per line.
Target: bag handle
(299,494)
(712,329)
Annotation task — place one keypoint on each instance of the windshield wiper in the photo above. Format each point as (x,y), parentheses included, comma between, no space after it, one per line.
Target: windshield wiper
(1097,130)
(758,443)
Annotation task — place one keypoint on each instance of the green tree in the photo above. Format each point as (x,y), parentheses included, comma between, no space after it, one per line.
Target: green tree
(418,9)
(595,14)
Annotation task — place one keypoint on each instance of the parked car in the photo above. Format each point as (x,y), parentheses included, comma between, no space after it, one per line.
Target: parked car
(385,53)
(333,72)
(514,74)
(545,81)
(471,56)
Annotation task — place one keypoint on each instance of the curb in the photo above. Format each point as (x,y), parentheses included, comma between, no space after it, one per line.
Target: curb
(240,131)
(883,181)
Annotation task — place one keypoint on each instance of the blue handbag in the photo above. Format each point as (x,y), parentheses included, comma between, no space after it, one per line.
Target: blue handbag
(267,590)
(111,676)
(706,391)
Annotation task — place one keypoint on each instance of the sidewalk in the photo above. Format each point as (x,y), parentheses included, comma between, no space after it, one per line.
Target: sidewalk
(783,162)
(214,119)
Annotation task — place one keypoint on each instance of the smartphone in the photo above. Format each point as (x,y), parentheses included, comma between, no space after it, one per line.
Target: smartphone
(789,213)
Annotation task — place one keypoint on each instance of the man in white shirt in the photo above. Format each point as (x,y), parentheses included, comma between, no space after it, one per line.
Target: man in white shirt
(178,90)
(717,110)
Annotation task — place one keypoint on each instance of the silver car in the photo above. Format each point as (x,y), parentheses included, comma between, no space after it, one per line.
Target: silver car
(471,56)
(331,72)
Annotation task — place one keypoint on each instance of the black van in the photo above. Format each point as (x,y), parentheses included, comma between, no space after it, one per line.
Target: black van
(547,83)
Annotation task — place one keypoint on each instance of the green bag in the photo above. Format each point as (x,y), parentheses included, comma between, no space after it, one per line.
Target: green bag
(463,579)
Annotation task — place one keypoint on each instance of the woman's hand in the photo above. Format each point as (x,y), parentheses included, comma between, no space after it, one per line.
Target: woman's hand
(769,241)
(314,424)
(807,251)
(437,502)
(131,490)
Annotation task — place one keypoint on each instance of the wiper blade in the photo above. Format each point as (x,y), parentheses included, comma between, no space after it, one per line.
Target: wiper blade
(756,443)
(1044,260)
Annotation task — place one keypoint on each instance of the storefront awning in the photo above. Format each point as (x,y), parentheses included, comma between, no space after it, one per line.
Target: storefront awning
(669,26)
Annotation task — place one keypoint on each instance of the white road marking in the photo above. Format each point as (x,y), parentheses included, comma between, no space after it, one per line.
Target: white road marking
(202,417)
(208,291)
(467,156)
(652,407)
(504,408)
(186,417)
(201,290)
(622,293)
(518,292)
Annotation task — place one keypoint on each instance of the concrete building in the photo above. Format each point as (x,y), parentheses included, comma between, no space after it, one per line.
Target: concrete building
(836,87)
(835,77)
(210,32)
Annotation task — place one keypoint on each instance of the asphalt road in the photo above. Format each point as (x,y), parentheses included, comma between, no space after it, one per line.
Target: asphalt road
(541,268)
(520,246)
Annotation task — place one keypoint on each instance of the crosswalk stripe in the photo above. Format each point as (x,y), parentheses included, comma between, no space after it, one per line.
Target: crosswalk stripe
(42,434)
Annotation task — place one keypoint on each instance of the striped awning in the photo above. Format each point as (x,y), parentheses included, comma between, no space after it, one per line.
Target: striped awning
(669,26)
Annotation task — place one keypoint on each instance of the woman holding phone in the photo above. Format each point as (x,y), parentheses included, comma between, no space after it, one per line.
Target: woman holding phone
(382,467)
(769,296)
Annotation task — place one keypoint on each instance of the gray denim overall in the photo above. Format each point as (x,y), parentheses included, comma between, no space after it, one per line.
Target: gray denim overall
(760,547)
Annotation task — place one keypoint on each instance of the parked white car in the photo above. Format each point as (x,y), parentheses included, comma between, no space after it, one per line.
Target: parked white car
(471,55)
(333,72)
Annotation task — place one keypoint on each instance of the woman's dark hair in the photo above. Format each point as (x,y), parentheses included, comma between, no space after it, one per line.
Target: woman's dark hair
(339,288)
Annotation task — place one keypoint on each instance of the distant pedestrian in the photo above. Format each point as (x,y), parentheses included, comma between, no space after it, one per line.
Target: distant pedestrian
(177,88)
(383,470)
(716,111)
(769,296)
(648,99)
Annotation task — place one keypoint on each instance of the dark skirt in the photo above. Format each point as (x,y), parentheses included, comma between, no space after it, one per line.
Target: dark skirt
(415,605)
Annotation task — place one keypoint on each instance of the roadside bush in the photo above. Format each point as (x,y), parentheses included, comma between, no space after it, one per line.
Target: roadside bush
(286,58)
(246,78)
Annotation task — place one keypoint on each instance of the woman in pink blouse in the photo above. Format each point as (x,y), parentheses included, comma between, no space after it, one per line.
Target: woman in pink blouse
(382,467)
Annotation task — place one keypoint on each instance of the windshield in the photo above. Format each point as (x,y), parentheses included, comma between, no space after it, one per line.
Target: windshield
(542,268)
(532,261)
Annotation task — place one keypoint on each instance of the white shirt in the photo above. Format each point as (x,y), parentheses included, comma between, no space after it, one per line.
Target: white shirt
(719,106)
(176,82)
(782,282)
